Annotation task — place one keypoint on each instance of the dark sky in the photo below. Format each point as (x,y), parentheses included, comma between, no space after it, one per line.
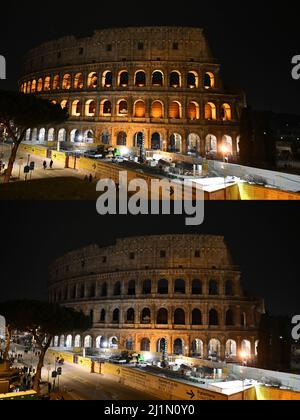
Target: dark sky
(264,239)
(253,40)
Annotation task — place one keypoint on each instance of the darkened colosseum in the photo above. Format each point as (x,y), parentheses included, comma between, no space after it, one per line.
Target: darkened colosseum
(157,86)
(144,290)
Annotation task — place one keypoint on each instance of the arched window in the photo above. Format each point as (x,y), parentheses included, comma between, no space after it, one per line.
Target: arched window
(147,287)
(175,79)
(69,341)
(77,341)
(103,316)
(197,287)
(209,80)
(162,317)
(117,289)
(156,141)
(28,87)
(157,110)
(226,113)
(62,135)
(64,104)
(116,316)
(90,108)
(104,290)
(179,317)
(56,81)
(179,286)
(42,135)
(196,317)
(129,344)
(140,78)
(92,80)
(78,81)
(76,108)
(178,346)
(157,78)
(228,288)
(231,349)
(213,288)
(40,85)
(210,111)
(33,86)
(139,109)
(123,78)
(106,108)
(175,144)
(175,110)
(193,111)
(130,316)
(163,287)
(131,288)
(122,108)
(105,137)
(229,318)
(146,316)
(107,79)
(76,136)
(88,342)
(66,83)
(51,134)
(122,138)
(145,344)
(192,80)
(47,83)
(213,317)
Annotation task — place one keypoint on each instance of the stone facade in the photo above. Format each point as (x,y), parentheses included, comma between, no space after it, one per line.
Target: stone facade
(160,85)
(143,290)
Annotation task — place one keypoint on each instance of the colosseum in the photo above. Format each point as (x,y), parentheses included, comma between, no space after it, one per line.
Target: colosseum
(182,292)
(159,87)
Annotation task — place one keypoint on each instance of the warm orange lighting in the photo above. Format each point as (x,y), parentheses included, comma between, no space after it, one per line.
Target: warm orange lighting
(243,355)
(224,149)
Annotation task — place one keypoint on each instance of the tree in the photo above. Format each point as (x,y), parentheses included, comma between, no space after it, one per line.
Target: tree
(43,321)
(20,112)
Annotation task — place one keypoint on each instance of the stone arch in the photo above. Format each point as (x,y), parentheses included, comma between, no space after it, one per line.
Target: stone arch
(76,136)
(51,134)
(28,135)
(56,341)
(163,287)
(145,344)
(62,342)
(160,345)
(157,109)
(40,85)
(107,79)
(105,137)
(64,104)
(246,348)
(139,139)
(231,349)
(175,110)
(76,108)
(179,286)
(228,144)
(130,316)
(140,78)
(213,317)
(196,287)
(192,79)
(210,111)
(213,288)
(193,111)
(162,316)
(214,348)
(77,341)
(122,108)
(196,317)
(88,342)
(78,81)
(113,342)
(193,143)
(33,86)
(226,112)
(146,316)
(88,136)
(139,109)
(179,317)
(102,315)
(121,138)
(129,344)
(117,289)
(92,80)
(178,347)
(229,318)
(98,342)
(62,135)
(56,82)
(197,348)
(123,78)
(156,141)
(69,341)
(105,108)
(175,79)
(47,83)
(42,135)
(90,108)
(116,316)
(66,82)
(209,80)
(147,287)
(175,143)
(211,144)
(228,288)
(157,78)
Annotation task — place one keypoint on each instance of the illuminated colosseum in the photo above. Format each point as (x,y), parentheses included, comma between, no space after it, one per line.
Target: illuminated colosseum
(157,86)
(142,292)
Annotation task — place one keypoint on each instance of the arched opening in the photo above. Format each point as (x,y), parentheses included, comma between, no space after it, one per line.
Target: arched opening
(107,79)
(197,287)
(90,108)
(140,78)
(179,286)
(146,316)
(105,108)
(129,344)
(213,318)
(162,317)
(213,288)
(92,80)
(211,144)
(157,78)
(256,348)
(28,135)
(246,348)
(196,317)
(116,316)
(175,145)
(103,343)
(227,144)
(131,288)
(139,109)
(197,348)
(78,81)
(210,111)
(98,342)
(161,345)
(175,79)
(117,289)
(33,86)
(178,347)
(238,149)
(77,341)
(42,135)
(40,85)
(113,343)
(105,137)
(69,341)
(64,104)
(209,80)
(122,108)
(51,134)
(214,348)
(56,82)
(62,135)
(156,141)
(157,109)
(193,111)
(147,287)
(122,138)
(66,83)
(231,349)
(192,79)
(163,287)
(139,139)
(145,344)
(103,315)
(75,136)
(193,144)
(130,316)
(88,136)
(28,87)
(175,110)
(56,341)
(47,83)
(76,108)
(226,113)
(179,317)
(228,288)
(229,321)
(88,342)
(62,342)
(123,79)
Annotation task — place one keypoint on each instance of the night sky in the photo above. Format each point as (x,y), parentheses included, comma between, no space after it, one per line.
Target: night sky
(254,41)
(263,237)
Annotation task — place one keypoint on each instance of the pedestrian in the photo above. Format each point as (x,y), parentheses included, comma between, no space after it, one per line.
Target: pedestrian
(51,164)
(45,165)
